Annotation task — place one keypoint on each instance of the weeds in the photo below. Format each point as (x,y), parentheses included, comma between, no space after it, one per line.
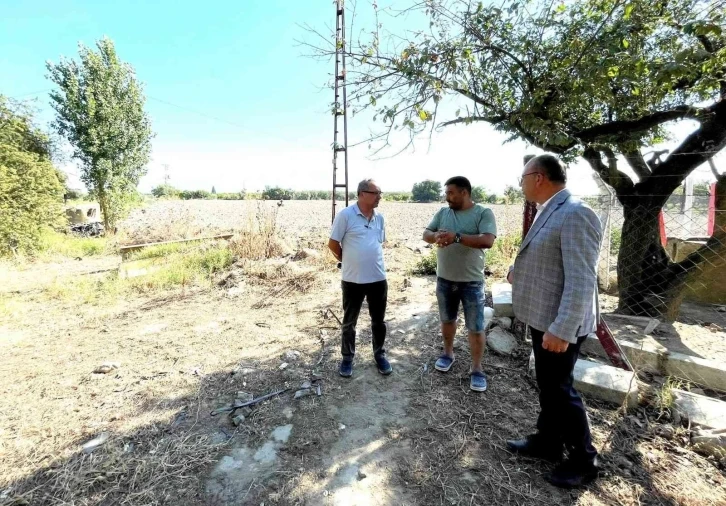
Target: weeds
(502,254)
(181,269)
(259,238)
(664,397)
(55,244)
(426,265)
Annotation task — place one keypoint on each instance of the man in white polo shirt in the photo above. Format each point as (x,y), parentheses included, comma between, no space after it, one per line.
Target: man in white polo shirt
(356,240)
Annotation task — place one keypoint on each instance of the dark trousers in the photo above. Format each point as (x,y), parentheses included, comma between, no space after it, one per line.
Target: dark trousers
(353,295)
(562,418)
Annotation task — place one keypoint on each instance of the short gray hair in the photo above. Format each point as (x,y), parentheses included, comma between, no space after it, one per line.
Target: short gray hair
(364,185)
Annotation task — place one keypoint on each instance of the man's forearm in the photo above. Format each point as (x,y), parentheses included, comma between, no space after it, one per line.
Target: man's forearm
(480,241)
(429,236)
(336,250)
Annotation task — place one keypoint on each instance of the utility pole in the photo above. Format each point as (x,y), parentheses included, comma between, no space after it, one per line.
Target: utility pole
(340,107)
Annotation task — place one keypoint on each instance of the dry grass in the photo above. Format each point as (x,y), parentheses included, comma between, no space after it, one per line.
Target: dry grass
(178,345)
(143,469)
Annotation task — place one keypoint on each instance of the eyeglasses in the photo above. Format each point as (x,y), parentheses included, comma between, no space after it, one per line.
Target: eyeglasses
(372,193)
(521,179)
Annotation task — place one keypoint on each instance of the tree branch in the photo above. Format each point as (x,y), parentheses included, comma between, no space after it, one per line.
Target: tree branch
(487,119)
(609,173)
(695,150)
(636,161)
(623,129)
(713,168)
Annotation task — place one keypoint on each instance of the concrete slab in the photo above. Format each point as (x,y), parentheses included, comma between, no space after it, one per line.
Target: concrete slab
(659,360)
(701,410)
(699,370)
(502,299)
(602,382)
(606,382)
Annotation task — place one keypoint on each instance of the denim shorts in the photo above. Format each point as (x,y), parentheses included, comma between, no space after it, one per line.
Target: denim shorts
(468,293)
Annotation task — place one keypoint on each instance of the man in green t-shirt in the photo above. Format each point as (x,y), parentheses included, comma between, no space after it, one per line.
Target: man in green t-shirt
(462,232)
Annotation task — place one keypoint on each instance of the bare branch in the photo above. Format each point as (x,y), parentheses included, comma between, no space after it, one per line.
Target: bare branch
(713,168)
(609,173)
(636,161)
(469,119)
(620,130)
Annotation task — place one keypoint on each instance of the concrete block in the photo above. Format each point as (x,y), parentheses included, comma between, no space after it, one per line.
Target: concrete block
(606,382)
(699,370)
(705,411)
(659,360)
(502,299)
(641,356)
(602,382)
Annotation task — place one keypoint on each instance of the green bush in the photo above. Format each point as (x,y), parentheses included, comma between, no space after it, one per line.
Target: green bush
(276,193)
(165,191)
(31,191)
(196,194)
(479,194)
(426,191)
(426,265)
(502,254)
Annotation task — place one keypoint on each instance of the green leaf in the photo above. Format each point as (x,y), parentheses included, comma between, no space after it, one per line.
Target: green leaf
(628,11)
(423,115)
(626,44)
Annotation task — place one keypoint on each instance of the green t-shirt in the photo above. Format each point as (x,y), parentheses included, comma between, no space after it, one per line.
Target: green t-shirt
(457,262)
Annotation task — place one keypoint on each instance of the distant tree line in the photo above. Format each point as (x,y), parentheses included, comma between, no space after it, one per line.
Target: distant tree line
(425,191)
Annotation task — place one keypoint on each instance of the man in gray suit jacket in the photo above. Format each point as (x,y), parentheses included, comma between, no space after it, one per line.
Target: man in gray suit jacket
(554,291)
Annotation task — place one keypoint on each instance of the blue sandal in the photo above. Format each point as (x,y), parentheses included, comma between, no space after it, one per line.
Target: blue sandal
(444,363)
(478,382)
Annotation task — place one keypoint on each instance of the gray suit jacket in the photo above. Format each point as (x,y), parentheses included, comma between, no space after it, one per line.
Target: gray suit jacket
(554,284)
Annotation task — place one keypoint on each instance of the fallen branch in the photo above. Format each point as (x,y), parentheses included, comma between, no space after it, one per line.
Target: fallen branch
(234,407)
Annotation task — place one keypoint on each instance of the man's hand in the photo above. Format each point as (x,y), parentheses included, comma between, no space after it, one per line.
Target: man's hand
(444,238)
(551,342)
(510,277)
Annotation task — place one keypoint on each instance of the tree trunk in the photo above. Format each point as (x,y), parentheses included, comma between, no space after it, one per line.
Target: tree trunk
(642,261)
(649,283)
(103,204)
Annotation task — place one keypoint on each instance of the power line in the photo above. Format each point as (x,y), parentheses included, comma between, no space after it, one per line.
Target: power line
(196,112)
(31,93)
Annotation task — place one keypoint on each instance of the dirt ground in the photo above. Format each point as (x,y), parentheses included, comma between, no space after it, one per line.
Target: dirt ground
(417,437)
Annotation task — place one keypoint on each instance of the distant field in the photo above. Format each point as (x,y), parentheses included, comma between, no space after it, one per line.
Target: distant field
(165,220)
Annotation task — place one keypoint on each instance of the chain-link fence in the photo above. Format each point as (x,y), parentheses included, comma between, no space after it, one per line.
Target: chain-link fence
(662,277)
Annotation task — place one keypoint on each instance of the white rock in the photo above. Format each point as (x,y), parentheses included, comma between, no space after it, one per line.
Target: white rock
(501,341)
(95,442)
(106,367)
(303,393)
(283,366)
(504,322)
(710,442)
(292,355)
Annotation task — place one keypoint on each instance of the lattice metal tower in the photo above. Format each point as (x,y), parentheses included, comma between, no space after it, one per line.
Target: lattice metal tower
(340,107)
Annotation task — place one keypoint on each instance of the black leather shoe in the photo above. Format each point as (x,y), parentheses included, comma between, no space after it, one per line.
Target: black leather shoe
(532,447)
(571,474)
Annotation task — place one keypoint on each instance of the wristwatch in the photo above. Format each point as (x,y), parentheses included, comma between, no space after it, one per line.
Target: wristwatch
(457,237)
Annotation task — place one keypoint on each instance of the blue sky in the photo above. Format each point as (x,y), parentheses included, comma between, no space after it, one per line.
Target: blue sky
(233,100)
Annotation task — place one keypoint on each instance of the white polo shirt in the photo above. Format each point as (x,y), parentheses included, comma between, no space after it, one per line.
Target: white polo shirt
(362,243)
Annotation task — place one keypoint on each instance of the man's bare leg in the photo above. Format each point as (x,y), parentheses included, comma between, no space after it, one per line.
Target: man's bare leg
(477,342)
(448,331)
